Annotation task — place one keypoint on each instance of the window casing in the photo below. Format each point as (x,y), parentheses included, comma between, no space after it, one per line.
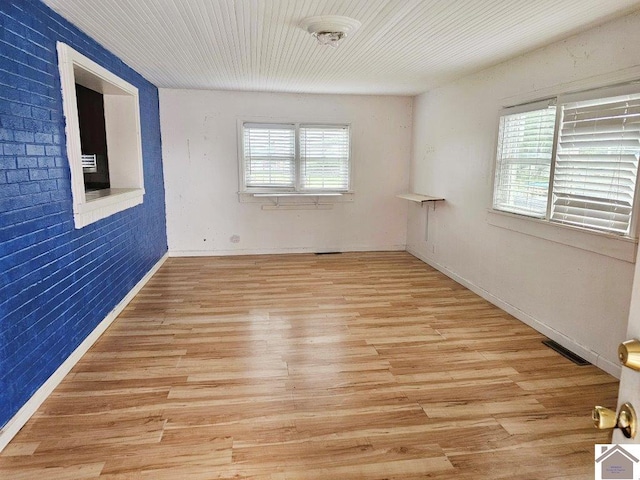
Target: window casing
(592,157)
(123,141)
(295,158)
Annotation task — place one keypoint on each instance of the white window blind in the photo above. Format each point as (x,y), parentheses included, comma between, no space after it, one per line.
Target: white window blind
(324,157)
(525,145)
(89,163)
(597,164)
(269,155)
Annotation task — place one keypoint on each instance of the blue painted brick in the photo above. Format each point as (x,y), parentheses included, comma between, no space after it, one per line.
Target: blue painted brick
(14,176)
(11,95)
(39,100)
(38,63)
(43,138)
(10,71)
(37,38)
(7,163)
(59,195)
(10,190)
(26,137)
(11,203)
(19,110)
(41,113)
(5,104)
(53,150)
(13,149)
(37,198)
(46,162)
(48,185)
(27,188)
(27,162)
(35,150)
(27,71)
(12,123)
(38,174)
(14,26)
(18,217)
(57,172)
(61,281)
(40,126)
(6,135)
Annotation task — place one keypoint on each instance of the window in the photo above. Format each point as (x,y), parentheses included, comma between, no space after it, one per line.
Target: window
(269,155)
(295,158)
(590,181)
(103,138)
(525,144)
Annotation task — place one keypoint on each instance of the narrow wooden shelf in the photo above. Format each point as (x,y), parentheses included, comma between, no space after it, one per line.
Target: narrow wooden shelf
(419,198)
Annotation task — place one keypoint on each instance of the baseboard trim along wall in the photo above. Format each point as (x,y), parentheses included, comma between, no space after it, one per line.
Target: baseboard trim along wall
(14,425)
(589,355)
(282,251)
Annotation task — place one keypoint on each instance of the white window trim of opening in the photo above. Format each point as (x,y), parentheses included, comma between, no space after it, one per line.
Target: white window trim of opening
(122,122)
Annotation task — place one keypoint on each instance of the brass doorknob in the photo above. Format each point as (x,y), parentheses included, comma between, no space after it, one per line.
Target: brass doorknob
(626,420)
(629,354)
(604,418)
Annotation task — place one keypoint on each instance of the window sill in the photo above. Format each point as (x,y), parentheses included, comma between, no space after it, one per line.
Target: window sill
(621,248)
(101,204)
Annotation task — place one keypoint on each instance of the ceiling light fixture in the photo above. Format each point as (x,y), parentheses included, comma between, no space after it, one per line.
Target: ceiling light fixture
(330,29)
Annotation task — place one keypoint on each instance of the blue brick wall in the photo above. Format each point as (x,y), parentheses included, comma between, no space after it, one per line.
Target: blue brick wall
(57,283)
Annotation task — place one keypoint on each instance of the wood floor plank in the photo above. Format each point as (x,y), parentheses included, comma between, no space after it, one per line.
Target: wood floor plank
(364,366)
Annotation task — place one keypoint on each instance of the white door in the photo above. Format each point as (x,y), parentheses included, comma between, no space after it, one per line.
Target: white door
(630,379)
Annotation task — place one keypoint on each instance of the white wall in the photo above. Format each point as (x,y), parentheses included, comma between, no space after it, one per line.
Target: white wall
(204,214)
(578,297)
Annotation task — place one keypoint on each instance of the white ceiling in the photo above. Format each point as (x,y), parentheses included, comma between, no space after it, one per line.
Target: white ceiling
(403,47)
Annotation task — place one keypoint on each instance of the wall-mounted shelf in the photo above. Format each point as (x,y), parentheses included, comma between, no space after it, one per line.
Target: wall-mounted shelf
(419,198)
(422,199)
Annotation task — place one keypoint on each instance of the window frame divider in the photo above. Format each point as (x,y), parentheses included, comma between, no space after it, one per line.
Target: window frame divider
(296,159)
(554,152)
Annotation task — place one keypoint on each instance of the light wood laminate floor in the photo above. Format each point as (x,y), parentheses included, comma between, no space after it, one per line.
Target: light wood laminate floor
(350,366)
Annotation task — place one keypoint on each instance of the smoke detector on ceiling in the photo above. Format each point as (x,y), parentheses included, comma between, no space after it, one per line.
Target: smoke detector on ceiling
(330,29)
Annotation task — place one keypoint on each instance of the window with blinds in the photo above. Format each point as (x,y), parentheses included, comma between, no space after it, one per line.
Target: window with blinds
(525,145)
(300,158)
(590,181)
(269,155)
(324,158)
(596,167)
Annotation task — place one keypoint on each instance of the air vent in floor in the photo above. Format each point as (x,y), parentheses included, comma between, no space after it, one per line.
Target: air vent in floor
(566,353)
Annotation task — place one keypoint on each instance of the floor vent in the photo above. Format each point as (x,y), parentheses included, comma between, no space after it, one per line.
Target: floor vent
(566,353)
(327,253)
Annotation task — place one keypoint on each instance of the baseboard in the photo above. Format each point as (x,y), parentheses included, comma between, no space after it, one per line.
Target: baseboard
(279,251)
(14,425)
(567,342)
